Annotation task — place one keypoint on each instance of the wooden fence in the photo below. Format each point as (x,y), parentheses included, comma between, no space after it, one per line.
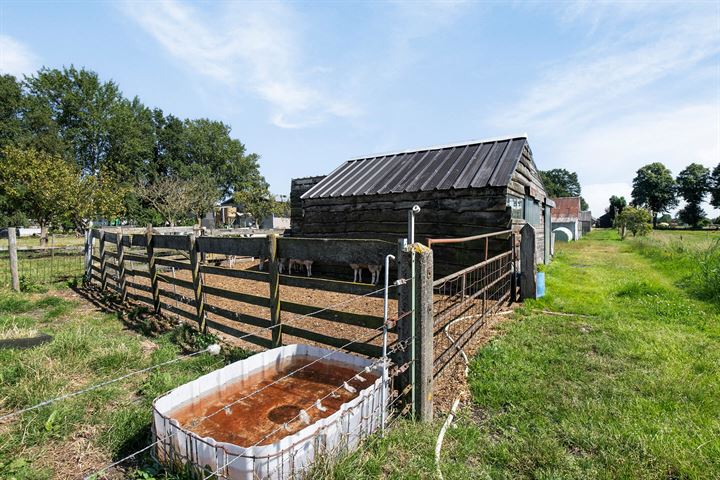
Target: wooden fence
(137,266)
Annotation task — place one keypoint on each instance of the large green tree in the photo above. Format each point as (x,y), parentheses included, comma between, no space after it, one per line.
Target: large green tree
(654,188)
(82,106)
(73,114)
(693,184)
(560,182)
(715,187)
(43,186)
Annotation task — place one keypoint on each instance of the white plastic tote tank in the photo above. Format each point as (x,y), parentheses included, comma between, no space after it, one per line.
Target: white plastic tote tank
(259,417)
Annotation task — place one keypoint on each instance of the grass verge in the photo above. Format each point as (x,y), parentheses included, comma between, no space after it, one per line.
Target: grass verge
(629,390)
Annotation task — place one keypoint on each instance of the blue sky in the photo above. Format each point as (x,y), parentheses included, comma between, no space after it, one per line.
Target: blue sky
(601,88)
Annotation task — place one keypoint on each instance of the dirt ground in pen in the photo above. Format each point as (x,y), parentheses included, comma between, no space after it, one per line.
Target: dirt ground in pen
(449,383)
(316,298)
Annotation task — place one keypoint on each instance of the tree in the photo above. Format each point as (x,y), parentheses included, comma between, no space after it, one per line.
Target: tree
(42,186)
(636,220)
(11,100)
(617,204)
(202,191)
(168,196)
(82,107)
(654,188)
(715,187)
(209,143)
(255,199)
(693,183)
(559,182)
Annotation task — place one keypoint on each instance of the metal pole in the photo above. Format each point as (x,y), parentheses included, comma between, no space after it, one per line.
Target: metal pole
(413,361)
(383,393)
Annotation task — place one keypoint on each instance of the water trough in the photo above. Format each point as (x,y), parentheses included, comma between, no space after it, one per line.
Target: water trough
(217,424)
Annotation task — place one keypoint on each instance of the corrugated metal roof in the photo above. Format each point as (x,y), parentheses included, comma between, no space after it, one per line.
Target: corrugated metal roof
(476,164)
(566,207)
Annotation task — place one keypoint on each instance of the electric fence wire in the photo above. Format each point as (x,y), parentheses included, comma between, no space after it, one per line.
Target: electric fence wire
(197,422)
(395,284)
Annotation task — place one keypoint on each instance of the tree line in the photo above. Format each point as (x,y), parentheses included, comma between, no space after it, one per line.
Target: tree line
(74,149)
(655,190)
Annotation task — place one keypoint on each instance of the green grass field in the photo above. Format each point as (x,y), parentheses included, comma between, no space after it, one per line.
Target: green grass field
(74,437)
(631,389)
(626,386)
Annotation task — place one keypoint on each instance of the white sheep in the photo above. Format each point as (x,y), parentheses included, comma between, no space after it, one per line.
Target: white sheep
(373,269)
(295,261)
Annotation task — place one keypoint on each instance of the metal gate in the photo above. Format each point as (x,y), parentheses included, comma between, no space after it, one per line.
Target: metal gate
(465,299)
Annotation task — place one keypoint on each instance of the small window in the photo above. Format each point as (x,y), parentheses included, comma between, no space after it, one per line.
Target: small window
(516,205)
(533,212)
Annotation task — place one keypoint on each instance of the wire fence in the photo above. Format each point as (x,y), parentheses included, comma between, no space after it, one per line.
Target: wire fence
(465,300)
(180,448)
(40,266)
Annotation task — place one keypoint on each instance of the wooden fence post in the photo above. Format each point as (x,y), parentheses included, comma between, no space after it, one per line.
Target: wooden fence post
(197,282)
(103,262)
(152,268)
(274,282)
(527,262)
(88,255)
(121,265)
(12,249)
(424,332)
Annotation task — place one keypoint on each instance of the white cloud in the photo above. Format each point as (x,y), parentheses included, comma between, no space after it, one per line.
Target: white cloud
(254,46)
(608,76)
(15,58)
(629,97)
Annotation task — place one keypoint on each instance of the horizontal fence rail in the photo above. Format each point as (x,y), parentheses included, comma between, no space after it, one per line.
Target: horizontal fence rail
(464,300)
(190,275)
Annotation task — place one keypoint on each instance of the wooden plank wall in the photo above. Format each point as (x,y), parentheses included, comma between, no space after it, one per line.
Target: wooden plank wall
(444,214)
(298,186)
(526,181)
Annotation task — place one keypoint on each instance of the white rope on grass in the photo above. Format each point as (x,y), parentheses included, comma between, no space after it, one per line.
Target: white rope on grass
(441,436)
(213,349)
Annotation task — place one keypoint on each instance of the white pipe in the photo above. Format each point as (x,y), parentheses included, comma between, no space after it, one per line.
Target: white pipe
(411,223)
(383,392)
(441,436)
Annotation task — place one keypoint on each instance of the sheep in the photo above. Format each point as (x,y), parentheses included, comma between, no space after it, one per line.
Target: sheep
(373,269)
(280,264)
(295,261)
(229,261)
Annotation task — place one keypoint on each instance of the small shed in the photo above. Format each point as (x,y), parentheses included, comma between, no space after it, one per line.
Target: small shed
(567,214)
(586,222)
(463,189)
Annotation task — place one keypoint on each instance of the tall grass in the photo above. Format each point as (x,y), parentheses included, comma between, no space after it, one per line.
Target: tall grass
(698,258)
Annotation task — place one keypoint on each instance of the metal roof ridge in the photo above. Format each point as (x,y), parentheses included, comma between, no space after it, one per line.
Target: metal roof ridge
(439,147)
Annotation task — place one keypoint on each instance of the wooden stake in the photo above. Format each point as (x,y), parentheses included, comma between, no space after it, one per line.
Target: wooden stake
(152,269)
(197,283)
(12,248)
(121,265)
(274,283)
(103,262)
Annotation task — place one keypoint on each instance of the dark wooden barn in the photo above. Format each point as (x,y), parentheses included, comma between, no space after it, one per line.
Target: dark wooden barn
(463,189)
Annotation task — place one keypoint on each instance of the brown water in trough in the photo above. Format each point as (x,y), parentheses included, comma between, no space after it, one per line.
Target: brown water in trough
(248,421)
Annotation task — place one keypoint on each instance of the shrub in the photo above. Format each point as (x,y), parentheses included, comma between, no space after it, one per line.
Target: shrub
(636,220)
